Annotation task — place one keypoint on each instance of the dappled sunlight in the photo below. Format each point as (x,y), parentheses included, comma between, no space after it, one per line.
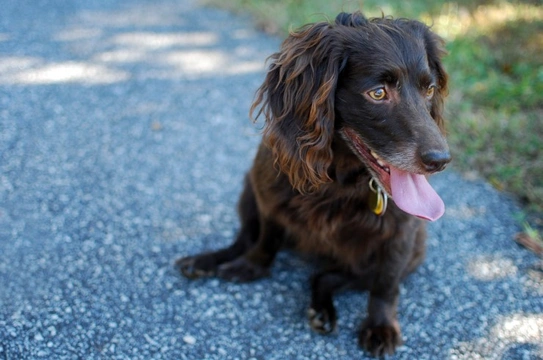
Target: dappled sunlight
(12,64)
(512,330)
(207,61)
(155,41)
(101,68)
(122,56)
(520,328)
(455,20)
(134,49)
(487,268)
(64,72)
(245,67)
(153,47)
(488,18)
(196,61)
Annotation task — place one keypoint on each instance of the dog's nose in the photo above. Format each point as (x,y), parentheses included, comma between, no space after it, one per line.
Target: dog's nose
(435,161)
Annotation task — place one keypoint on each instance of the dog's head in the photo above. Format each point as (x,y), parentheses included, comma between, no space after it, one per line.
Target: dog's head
(377,84)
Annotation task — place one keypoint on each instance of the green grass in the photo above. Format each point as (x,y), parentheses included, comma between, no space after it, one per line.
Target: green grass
(495,63)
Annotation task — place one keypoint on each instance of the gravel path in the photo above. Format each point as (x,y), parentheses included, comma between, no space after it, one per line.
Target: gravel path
(124,138)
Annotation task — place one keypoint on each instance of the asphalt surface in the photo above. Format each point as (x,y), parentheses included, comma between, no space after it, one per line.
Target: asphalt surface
(124,138)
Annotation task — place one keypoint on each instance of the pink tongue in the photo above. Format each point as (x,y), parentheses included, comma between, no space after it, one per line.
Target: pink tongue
(414,195)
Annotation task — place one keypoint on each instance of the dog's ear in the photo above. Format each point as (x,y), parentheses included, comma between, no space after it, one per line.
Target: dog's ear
(435,48)
(297,100)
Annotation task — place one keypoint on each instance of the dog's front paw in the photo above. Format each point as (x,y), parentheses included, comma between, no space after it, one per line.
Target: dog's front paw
(322,321)
(194,267)
(380,340)
(241,270)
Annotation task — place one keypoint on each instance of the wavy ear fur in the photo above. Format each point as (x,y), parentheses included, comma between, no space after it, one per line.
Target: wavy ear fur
(435,48)
(297,100)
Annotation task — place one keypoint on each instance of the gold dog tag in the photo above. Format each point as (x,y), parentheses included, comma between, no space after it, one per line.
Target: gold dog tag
(378,199)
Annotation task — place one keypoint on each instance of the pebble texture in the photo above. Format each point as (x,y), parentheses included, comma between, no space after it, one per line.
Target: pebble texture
(124,138)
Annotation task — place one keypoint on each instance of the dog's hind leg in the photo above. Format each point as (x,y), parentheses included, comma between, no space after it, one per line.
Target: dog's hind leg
(207,264)
(255,262)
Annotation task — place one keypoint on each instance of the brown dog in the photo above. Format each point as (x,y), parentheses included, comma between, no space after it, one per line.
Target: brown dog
(353,117)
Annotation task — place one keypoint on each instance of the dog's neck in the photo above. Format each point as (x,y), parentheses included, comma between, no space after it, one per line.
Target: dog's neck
(346,168)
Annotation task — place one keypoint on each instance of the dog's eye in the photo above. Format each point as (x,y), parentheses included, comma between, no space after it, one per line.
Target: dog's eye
(378,94)
(430,92)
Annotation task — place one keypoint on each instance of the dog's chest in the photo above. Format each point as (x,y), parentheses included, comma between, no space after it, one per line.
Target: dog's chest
(332,225)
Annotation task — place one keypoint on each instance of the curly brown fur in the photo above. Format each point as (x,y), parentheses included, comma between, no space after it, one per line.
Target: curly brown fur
(308,187)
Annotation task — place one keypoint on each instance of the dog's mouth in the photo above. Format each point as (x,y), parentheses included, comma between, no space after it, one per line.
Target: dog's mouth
(410,191)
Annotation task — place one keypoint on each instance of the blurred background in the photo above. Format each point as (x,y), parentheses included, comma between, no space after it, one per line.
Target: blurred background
(495,63)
